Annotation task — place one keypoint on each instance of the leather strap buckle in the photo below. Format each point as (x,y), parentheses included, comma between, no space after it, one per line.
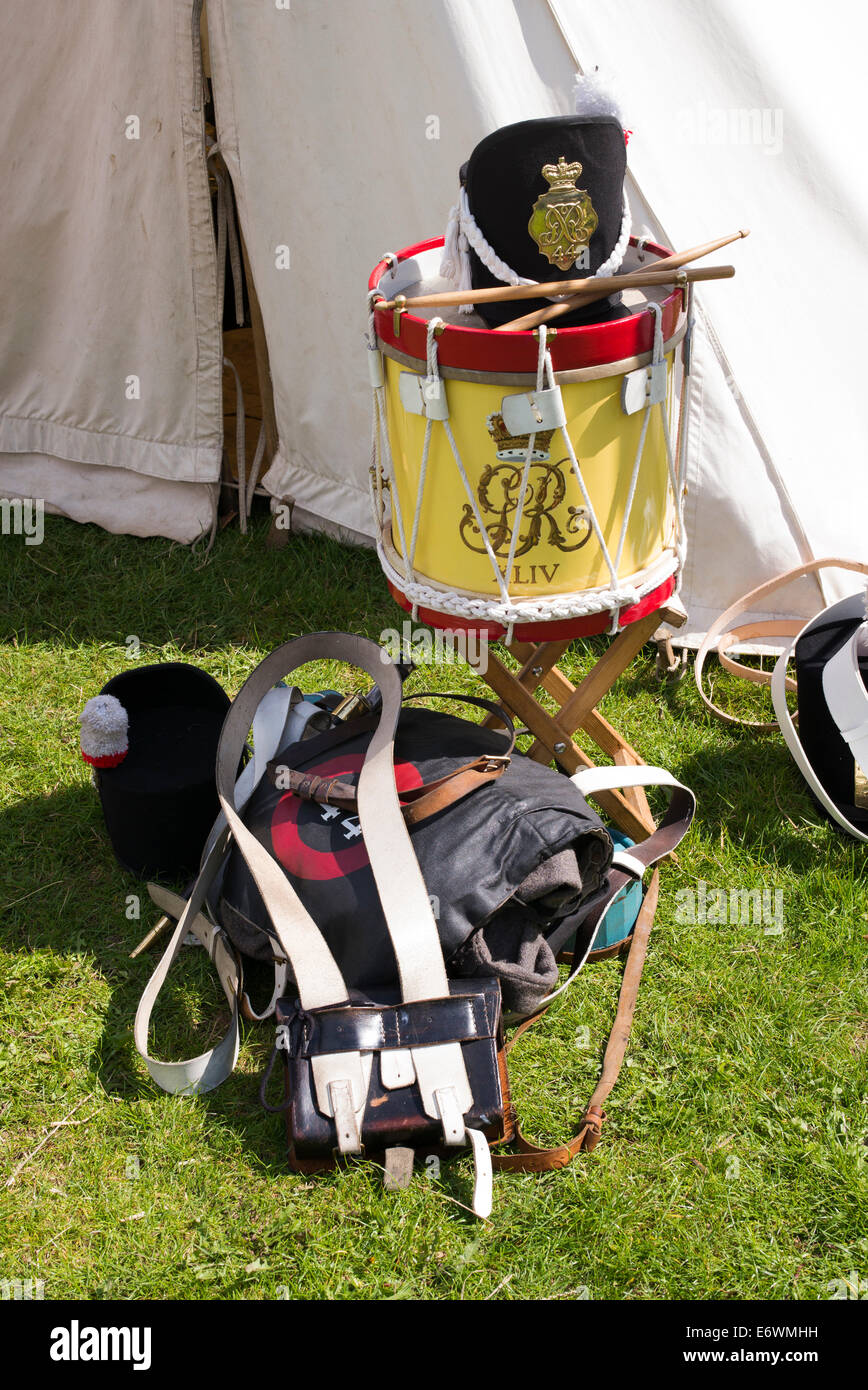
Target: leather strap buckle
(495,760)
(593,1121)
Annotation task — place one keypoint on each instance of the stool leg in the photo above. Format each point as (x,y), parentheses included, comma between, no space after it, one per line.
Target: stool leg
(553,736)
(560,744)
(537,661)
(605,672)
(599,729)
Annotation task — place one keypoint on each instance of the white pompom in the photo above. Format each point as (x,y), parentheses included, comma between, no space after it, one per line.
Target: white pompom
(104,727)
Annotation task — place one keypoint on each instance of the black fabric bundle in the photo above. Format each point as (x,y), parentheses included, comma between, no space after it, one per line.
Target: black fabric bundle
(503,865)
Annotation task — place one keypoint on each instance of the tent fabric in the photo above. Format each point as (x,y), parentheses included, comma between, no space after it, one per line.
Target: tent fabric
(344,127)
(117,499)
(110,348)
(325,117)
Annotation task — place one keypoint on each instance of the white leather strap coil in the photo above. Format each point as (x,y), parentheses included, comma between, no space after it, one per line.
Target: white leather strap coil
(842,683)
(722,636)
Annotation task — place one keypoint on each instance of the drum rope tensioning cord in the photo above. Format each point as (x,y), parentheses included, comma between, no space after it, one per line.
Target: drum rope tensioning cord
(508,610)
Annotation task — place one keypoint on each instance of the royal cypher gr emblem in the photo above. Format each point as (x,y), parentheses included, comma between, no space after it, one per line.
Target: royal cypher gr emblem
(498,494)
(563,220)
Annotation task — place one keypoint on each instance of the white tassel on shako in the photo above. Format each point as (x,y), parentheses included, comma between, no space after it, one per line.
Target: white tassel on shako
(104,726)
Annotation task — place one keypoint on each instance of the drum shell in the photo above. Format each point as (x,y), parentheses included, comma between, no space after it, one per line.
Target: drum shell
(449,549)
(558,552)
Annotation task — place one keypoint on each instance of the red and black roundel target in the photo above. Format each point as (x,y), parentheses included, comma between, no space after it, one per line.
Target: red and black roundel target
(323,842)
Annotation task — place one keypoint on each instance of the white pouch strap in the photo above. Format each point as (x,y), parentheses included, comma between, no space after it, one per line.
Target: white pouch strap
(627,865)
(401,887)
(281,717)
(395,868)
(205,1072)
(264,706)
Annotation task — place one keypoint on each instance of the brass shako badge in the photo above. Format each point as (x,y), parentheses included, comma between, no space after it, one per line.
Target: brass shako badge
(563,220)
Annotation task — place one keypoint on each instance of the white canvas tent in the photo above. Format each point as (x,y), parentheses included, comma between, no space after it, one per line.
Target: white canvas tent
(343,124)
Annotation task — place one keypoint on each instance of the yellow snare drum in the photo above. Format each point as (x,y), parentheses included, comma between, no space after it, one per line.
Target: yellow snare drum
(528,477)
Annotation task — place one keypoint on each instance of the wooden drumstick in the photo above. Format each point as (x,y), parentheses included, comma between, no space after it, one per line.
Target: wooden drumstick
(608,284)
(633,278)
(647,279)
(590,284)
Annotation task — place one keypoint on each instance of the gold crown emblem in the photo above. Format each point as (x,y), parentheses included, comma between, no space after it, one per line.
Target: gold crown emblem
(562,174)
(514,446)
(563,219)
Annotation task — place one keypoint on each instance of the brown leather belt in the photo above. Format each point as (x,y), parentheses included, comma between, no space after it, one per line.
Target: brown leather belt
(418,803)
(533,1159)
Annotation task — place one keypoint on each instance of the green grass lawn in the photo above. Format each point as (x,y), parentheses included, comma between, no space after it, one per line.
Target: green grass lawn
(734,1164)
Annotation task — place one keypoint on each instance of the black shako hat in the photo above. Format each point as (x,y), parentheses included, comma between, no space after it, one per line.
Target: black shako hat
(160,801)
(541,200)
